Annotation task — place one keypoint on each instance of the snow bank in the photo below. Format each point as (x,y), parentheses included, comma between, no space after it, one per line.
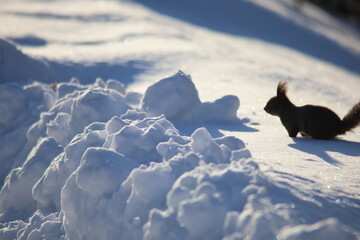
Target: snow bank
(96,167)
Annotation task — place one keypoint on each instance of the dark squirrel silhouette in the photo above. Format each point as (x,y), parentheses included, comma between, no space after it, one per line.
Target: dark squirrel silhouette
(310,120)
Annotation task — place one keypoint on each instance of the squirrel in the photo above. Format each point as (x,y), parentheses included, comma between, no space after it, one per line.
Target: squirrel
(310,120)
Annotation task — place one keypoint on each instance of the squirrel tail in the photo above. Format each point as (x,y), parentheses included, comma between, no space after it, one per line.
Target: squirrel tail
(351,119)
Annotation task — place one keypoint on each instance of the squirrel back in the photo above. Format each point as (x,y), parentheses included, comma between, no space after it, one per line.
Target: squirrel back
(310,120)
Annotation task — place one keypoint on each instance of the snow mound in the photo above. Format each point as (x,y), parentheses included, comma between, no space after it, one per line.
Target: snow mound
(177,98)
(95,167)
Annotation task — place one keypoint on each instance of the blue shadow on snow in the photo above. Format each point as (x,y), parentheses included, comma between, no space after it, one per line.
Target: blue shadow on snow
(239,17)
(321,147)
(241,125)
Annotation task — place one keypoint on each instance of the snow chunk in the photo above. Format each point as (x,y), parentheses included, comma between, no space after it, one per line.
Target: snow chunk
(149,187)
(47,190)
(177,98)
(114,125)
(67,88)
(222,110)
(99,177)
(174,96)
(96,105)
(58,128)
(16,195)
(42,226)
(116,85)
(102,171)
(138,140)
(194,214)
(23,104)
(203,144)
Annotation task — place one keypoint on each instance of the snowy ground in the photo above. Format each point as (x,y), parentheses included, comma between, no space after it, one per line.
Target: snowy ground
(84,186)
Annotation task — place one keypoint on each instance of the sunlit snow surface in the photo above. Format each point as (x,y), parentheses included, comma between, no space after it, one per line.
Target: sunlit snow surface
(102,138)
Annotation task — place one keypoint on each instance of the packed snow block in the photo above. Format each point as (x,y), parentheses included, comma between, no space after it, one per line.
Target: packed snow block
(47,191)
(78,145)
(59,128)
(133,98)
(55,122)
(173,147)
(96,105)
(22,105)
(71,114)
(177,98)
(12,58)
(222,110)
(66,88)
(9,231)
(204,205)
(16,201)
(116,85)
(231,142)
(149,187)
(102,171)
(40,98)
(114,125)
(203,144)
(138,140)
(98,177)
(42,226)
(163,225)
(134,115)
(174,96)
(329,229)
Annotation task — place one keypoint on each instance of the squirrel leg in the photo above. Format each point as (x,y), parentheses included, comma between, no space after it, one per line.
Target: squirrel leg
(292,132)
(304,134)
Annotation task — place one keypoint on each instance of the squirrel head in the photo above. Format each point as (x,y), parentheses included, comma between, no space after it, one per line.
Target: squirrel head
(275,105)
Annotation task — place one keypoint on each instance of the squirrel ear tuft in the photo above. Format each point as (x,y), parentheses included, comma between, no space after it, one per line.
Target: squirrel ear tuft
(282,88)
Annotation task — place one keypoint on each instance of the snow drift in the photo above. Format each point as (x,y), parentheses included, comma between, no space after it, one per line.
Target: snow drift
(97,162)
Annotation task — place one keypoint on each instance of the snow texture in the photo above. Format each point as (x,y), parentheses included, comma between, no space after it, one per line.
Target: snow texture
(100,169)
(85,156)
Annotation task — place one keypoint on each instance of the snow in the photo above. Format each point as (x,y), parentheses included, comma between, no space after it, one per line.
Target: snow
(177,98)
(122,120)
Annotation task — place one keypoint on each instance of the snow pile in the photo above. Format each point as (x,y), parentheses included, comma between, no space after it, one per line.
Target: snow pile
(96,166)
